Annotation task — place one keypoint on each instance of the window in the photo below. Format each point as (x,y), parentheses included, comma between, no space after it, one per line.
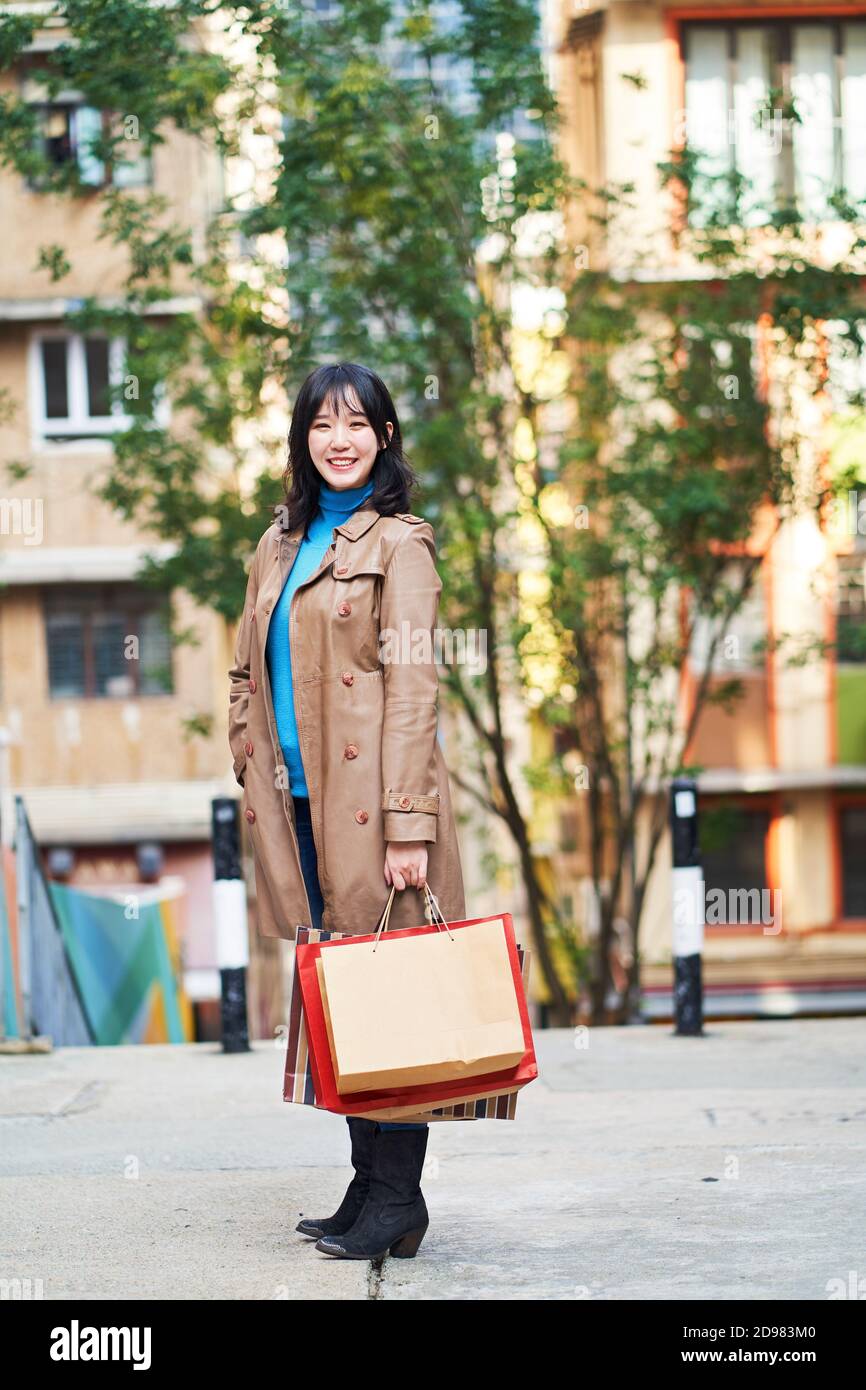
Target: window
(783,104)
(852,836)
(71,378)
(733,849)
(109,640)
(851,607)
(64,133)
(68,133)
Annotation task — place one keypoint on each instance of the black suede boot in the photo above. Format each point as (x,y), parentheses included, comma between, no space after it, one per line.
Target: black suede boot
(362,1132)
(394,1217)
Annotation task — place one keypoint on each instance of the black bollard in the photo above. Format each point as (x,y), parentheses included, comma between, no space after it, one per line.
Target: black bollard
(688,915)
(230,917)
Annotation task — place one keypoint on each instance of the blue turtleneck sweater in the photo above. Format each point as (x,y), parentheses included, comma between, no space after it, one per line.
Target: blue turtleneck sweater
(334,508)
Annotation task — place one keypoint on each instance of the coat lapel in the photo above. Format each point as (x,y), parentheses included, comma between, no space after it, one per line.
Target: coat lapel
(359,522)
(287,542)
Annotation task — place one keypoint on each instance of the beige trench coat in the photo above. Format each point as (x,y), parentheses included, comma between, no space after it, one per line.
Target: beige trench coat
(367,718)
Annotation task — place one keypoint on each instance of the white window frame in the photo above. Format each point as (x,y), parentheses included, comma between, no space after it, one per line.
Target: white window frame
(792,163)
(79,422)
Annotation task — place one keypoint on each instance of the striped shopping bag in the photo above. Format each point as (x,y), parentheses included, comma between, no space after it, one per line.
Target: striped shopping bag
(298,1077)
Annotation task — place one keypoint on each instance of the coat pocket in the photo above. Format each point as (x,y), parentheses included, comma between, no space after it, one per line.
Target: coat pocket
(358,592)
(349,567)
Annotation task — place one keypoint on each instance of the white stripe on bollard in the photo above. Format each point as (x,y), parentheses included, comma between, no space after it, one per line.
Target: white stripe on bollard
(230,919)
(688,890)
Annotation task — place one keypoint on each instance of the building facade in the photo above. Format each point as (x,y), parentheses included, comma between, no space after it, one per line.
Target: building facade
(114,732)
(782,791)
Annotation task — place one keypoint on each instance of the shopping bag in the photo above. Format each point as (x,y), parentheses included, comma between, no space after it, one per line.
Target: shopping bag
(469,1107)
(422,1005)
(422,1096)
(298,1087)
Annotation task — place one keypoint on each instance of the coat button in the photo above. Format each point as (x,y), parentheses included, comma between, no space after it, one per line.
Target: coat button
(252,685)
(361,817)
(405,801)
(250,815)
(350,750)
(344,610)
(248,749)
(341,569)
(347,678)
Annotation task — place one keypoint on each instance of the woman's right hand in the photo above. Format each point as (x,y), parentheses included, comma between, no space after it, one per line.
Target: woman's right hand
(406,863)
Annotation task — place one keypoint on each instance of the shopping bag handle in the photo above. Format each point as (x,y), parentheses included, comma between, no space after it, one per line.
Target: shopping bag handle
(435,911)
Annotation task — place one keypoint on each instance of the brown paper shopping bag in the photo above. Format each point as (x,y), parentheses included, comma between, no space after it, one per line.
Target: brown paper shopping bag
(423,1005)
(411,1112)
(298,1085)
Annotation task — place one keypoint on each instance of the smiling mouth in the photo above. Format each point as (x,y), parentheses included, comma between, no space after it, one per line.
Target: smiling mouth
(342,463)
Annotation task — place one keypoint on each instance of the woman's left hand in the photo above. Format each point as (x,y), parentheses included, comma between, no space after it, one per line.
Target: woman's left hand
(406,863)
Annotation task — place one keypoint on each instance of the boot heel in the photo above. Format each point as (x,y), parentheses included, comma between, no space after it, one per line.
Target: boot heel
(407,1246)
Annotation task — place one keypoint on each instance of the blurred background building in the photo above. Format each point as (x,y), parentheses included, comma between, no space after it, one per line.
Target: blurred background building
(102,710)
(783,786)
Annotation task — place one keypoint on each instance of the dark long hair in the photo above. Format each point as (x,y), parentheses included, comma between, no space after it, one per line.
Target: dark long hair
(392,477)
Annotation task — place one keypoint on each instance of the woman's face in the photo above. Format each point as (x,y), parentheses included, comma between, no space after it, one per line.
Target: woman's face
(343,446)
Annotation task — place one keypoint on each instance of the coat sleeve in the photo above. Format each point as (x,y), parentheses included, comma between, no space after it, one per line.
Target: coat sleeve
(239,675)
(407,621)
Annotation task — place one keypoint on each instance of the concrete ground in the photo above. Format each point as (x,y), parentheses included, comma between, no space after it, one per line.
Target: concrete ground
(640,1166)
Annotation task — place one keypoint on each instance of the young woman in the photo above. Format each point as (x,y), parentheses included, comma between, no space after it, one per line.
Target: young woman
(333,719)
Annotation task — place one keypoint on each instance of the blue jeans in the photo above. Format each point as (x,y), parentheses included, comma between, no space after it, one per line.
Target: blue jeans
(310,871)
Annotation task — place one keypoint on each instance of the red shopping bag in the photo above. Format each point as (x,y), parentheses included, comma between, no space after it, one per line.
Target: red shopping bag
(298,1088)
(423,1096)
